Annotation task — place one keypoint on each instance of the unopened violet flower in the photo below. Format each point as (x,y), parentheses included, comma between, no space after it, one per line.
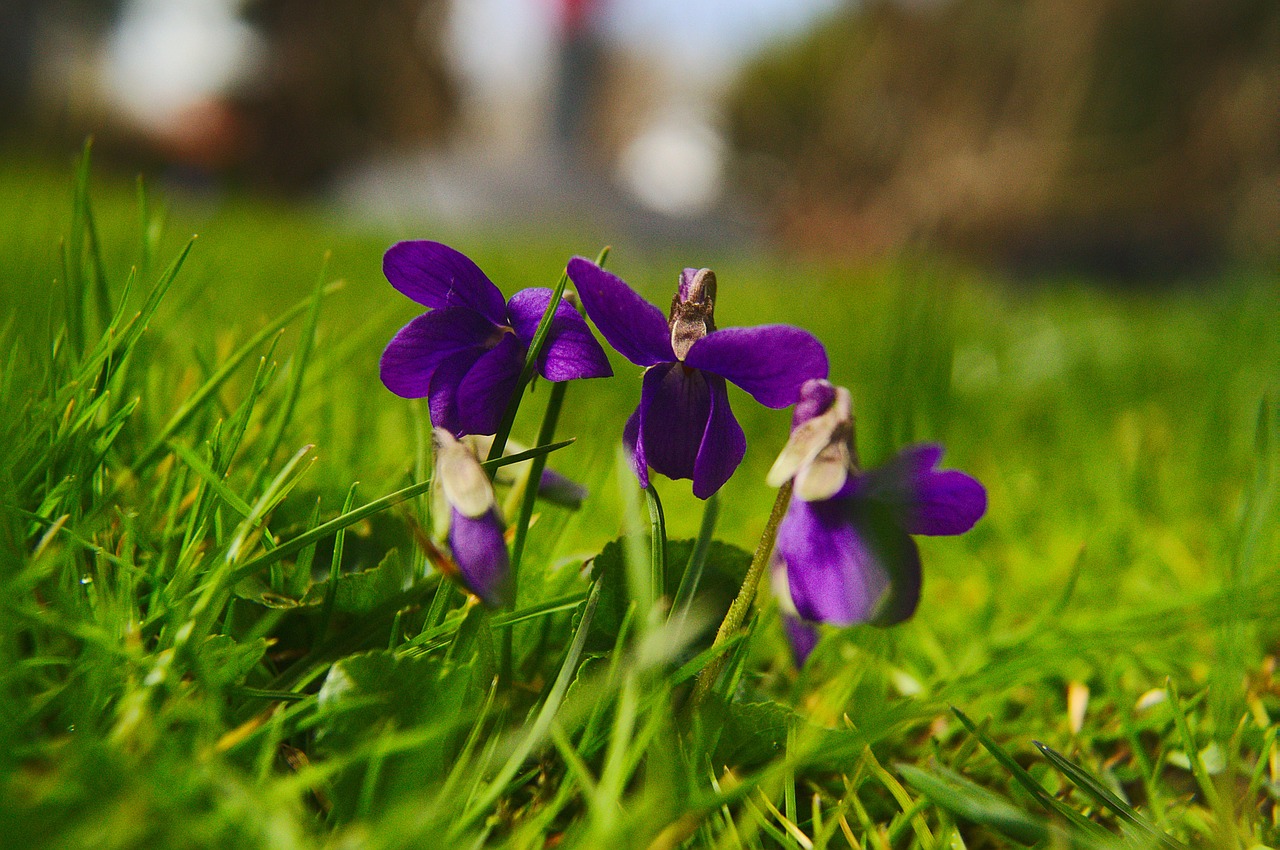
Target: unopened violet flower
(466,353)
(844,552)
(475,528)
(683,427)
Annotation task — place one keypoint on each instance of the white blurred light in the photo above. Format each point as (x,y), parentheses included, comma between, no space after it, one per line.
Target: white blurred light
(166,56)
(499,45)
(675,165)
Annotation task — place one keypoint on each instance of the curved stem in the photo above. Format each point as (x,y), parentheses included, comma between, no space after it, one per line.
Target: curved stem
(746,594)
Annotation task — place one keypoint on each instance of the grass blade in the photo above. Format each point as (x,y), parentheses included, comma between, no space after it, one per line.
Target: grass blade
(1088,783)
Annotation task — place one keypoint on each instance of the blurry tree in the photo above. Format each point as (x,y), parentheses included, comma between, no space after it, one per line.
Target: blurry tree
(345,78)
(17,49)
(1125,136)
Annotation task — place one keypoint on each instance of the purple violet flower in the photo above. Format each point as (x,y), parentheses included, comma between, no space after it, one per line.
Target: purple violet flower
(683,427)
(475,528)
(466,353)
(844,552)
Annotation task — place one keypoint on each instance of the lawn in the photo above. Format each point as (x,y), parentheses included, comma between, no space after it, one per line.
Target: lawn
(208,640)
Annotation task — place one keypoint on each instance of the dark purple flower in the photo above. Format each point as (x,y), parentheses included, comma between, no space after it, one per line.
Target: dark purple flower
(844,552)
(466,353)
(475,528)
(683,427)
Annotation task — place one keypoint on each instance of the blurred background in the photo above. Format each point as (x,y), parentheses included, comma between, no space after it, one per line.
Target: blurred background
(1131,139)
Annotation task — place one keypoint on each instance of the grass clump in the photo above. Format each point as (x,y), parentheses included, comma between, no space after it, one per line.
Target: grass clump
(212,636)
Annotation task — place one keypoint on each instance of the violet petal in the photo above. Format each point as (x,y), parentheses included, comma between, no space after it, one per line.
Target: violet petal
(925,500)
(420,346)
(900,555)
(816,397)
(723,443)
(570,351)
(442,395)
(633,326)
(486,389)
(435,275)
(833,574)
(803,637)
(675,418)
(634,445)
(771,361)
(561,490)
(480,552)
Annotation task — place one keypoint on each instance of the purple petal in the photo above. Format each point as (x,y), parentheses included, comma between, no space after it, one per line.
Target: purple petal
(436,275)
(771,361)
(632,325)
(561,490)
(899,553)
(442,395)
(570,351)
(486,389)
(925,500)
(816,397)
(481,555)
(833,575)
(803,637)
(419,347)
(634,446)
(677,406)
(723,443)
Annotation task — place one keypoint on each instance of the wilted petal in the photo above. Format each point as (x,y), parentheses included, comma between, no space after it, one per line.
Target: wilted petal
(723,443)
(436,275)
(570,351)
(466,487)
(633,326)
(833,575)
(817,454)
(487,387)
(803,637)
(677,404)
(419,347)
(825,474)
(771,361)
(925,500)
(481,554)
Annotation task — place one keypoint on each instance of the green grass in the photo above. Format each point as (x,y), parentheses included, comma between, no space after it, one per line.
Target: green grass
(216,628)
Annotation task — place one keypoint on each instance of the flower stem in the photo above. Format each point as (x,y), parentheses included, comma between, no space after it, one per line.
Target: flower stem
(545,434)
(531,361)
(746,594)
(692,576)
(658,546)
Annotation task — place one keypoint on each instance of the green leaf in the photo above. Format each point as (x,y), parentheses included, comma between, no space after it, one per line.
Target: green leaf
(223,661)
(723,569)
(972,802)
(362,592)
(378,693)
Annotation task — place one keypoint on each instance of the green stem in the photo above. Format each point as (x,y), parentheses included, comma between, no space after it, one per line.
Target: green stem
(335,570)
(531,361)
(692,576)
(530,365)
(746,595)
(549,420)
(657,545)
